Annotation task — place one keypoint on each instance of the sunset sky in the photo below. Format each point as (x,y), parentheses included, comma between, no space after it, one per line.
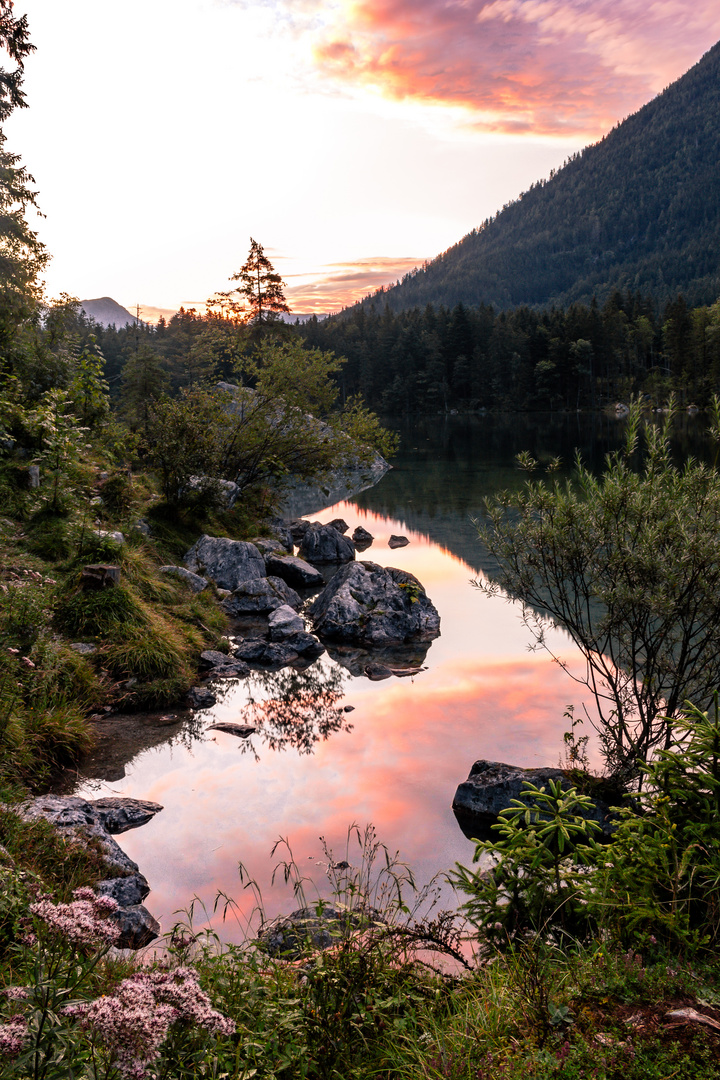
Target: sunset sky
(353,138)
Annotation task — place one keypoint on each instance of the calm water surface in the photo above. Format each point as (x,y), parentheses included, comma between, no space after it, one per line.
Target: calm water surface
(395,760)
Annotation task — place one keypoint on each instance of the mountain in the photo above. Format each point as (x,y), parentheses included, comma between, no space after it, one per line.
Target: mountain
(107,312)
(640,211)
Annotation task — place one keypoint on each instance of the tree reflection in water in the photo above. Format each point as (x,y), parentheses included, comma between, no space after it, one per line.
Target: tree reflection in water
(292,708)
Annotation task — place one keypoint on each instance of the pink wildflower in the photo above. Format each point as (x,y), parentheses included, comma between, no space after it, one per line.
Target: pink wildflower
(134,1022)
(13,651)
(16,993)
(12,1036)
(84,921)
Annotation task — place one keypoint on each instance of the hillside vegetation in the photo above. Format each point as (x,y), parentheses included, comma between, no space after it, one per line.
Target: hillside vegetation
(640,210)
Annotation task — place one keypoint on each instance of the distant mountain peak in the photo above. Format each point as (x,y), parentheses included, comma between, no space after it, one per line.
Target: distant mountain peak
(107,312)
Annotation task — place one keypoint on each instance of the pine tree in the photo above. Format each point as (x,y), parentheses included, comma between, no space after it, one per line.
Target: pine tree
(22,256)
(260,287)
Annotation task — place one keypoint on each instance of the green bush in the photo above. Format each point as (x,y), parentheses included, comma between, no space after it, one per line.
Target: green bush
(96,612)
(660,878)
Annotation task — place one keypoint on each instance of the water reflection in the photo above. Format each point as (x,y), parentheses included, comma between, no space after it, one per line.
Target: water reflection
(295,708)
(377,664)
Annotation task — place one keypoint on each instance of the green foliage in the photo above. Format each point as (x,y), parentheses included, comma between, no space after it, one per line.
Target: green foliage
(628,563)
(49,533)
(665,853)
(365,429)
(62,446)
(88,389)
(530,880)
(96,612)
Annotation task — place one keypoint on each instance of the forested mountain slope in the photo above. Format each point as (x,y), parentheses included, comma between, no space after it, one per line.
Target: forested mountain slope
(638,211)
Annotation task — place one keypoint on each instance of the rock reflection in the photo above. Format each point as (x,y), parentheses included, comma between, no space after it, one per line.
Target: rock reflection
(294,708)
(377,664)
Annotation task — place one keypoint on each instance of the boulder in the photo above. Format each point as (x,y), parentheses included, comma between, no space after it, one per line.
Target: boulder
(362,538)
(283,622)
(137,927)
(243,731)
(272,654)
(305,645)
(99,576)
(211,658)
(229,563)
(492,785)
(268,546)
(291,936)
(324,544)
(279,529)
(340,524)
(98,820)
(201,698)
(260,596)
(223,666)
(367,604)
(297,528)
(195,581)
(128,891)
(398,542)
(83,648)
(110,534)
(295,571)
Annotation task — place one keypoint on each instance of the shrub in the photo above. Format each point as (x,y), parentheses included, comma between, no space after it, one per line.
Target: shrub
(96,612)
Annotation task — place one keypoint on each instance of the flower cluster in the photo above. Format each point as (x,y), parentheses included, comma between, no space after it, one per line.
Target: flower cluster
(134,1022)
(12,1036)
(84,921)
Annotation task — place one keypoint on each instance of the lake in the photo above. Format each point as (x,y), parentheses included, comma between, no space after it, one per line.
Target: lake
(312,768)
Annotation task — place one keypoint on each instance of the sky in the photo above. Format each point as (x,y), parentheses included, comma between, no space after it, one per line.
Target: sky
(353,139)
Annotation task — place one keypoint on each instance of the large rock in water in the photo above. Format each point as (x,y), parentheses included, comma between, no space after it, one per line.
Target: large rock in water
(259,596)
(367,604)
(226,562)
(325,544)
(492,785)
(296,572)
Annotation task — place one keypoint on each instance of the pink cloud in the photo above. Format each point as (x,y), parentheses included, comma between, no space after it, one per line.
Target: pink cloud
(546,66)
(341,284)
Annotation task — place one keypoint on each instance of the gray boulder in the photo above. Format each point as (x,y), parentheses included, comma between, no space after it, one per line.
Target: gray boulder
(279,529)
(361,538)
(283,622)
(128,891)
(367,604)
(340,524)
(137,927)
(295,571)
(305,645)
(223,666)
(229,563)
(267,653)
(268,546)
(200,697)
(292,936)
(398,541)
(195,581)
(97,820)
(492,785)
(259,596)
(297,528)
(324,544)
